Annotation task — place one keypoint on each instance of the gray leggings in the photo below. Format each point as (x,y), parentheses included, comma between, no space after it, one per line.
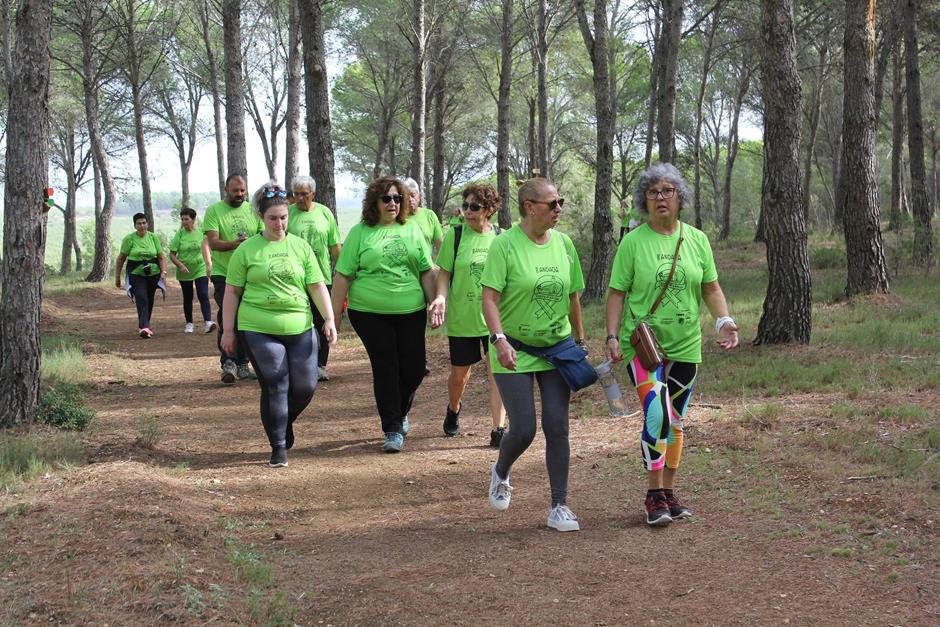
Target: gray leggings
(518,396)
(286,366)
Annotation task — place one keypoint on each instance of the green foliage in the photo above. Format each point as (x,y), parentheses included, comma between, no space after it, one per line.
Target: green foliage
(24,457)
(62,405)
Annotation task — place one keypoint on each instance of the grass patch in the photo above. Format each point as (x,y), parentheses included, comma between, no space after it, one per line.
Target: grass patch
(249,567)
(62,405)
(149,431)
(62,360)
(24,457)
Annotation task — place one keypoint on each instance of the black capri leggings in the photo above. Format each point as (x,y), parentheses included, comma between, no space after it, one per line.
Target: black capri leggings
(202,293)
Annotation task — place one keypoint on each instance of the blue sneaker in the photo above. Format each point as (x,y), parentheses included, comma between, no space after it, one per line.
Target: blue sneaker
(394,442)
(405,426)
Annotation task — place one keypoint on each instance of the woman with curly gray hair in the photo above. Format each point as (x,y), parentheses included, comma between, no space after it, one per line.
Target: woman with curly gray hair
(662,271)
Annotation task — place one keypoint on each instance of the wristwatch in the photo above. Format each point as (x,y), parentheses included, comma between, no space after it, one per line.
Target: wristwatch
(497,337)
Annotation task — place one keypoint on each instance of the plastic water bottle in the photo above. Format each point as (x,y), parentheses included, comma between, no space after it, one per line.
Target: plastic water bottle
(605,375)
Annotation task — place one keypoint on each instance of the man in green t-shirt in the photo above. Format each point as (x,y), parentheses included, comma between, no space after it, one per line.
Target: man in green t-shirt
(315,224)
(426,219)
(228,223)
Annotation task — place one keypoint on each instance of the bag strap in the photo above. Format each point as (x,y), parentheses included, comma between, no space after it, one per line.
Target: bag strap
(546,351)
(672,271)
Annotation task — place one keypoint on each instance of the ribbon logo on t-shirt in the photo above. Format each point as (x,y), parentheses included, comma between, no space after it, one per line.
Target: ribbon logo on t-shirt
(395,251)
(476,273)
(676,286)
(548,292)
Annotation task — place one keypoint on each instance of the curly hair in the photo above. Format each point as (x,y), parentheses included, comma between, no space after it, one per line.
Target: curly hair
(262,204)
(661,172)
(379,187)
(486,195)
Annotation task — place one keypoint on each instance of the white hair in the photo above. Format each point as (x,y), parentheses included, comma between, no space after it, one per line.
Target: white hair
(302,180)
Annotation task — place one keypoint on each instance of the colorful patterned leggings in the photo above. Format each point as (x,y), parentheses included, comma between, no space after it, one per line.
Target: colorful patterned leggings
(664,394)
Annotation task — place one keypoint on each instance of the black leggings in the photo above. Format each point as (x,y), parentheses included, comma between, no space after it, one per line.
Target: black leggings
(323,352)
(239,356)
(202,293)
(287,373)
(395,343)
(144,288)
(518,394)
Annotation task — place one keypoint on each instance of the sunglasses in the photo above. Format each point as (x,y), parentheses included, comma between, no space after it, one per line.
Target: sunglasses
(558,203)
(472,206)
(271,193)
(391,199)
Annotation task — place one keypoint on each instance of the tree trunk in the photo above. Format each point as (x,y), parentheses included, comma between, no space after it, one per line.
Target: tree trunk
(216,97)
(532,139)
(786,316)
(733,149)
(27,162)
(437,187)
(419,93)
(294,84)
(669,40)
(697,144)
(68,215)
(923,235)
(655,63)
(503,115)
(602,240)
(863,247)
(7,52)
(234,87)
(897,141)
(136,84)
(318,103)
(814,115)
(541,53)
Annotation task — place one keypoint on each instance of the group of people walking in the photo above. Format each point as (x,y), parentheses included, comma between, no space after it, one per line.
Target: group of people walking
(504,296)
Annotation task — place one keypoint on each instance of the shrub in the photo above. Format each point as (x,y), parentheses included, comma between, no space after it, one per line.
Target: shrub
(824,257)
(63,405)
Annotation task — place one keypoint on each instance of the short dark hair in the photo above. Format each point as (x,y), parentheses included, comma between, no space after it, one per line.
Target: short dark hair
(232,177)
(140,216)
(188,211)
(379,187)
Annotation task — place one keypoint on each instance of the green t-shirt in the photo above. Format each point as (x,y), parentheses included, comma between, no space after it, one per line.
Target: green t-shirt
(137,248)
(464,299)
(454,221)
(429,224)
(385,264)
(274,276)
(318,228)
(229,221)
(641,268)
(536,282)
(188,248)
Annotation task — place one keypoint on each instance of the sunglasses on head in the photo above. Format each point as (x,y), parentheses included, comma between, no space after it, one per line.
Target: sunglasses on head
(271,193)
(472,206)
(387,198)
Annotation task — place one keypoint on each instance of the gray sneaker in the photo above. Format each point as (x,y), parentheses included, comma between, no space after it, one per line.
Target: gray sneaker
(500,492)
(563,519)
(228,371)
(321,374)
(244,372)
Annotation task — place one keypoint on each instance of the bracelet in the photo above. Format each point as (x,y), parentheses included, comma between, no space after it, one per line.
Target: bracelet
(612,337)
(722,321)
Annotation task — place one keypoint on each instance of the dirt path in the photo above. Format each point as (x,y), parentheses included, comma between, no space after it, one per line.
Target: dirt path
(199,530)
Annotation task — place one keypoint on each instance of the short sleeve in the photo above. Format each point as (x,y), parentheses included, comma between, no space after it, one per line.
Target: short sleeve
(348,262)
(158,248)
(709,271)
(312,272)
(237,267)
(438,231)
(126,245)
(577,276)
(175,244)
(424,253)
(495,268)
(211,221)
(621,274)
(332,238)
(445,256)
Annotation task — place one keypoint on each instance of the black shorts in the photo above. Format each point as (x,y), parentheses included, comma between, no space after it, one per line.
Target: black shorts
(465,351)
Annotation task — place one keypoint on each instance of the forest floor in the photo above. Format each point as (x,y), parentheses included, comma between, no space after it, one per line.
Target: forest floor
(197,529)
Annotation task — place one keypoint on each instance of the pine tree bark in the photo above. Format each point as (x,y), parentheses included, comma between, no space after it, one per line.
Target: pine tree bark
(129,27)
(27,161)
(655,63)
(733,141)
(786,316)
(541,50)
(419,94)
(437,151)
(295,70)
(814,116)
(699,102)
(503,114)
(317,92)
(923,235)
(867,272)
(669,41)
(598,275)
(234,87)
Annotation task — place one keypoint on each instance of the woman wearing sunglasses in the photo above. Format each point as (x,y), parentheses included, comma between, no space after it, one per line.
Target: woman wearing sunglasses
(459,293)
(531,284)
(384,268)
(270,280)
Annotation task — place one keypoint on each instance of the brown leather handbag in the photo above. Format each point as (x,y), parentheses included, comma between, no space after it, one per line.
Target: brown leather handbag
(648,350)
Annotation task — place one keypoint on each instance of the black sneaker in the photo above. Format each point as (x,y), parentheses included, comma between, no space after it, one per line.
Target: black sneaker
(278,457)
(452,422)
(676,509)
(496,436)
(657,509)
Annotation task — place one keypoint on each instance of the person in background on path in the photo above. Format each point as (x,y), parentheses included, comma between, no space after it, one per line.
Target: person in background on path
(455,218)
(459,294)
(271,279)
(629,218)
(146,271)
(531,285)
(426,219)
(385,269)
(189,252)
(228,223)
(315,224)
(640,271)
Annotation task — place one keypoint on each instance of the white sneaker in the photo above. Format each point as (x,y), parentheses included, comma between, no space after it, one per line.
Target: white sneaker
(188,328)
(500,492)
(209,328)
(563,519)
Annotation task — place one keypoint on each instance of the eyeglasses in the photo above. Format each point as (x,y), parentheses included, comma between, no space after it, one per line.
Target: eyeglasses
(304,194)
(472,206)
(271,193)
(558,203)
(666,193)
(387,199)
